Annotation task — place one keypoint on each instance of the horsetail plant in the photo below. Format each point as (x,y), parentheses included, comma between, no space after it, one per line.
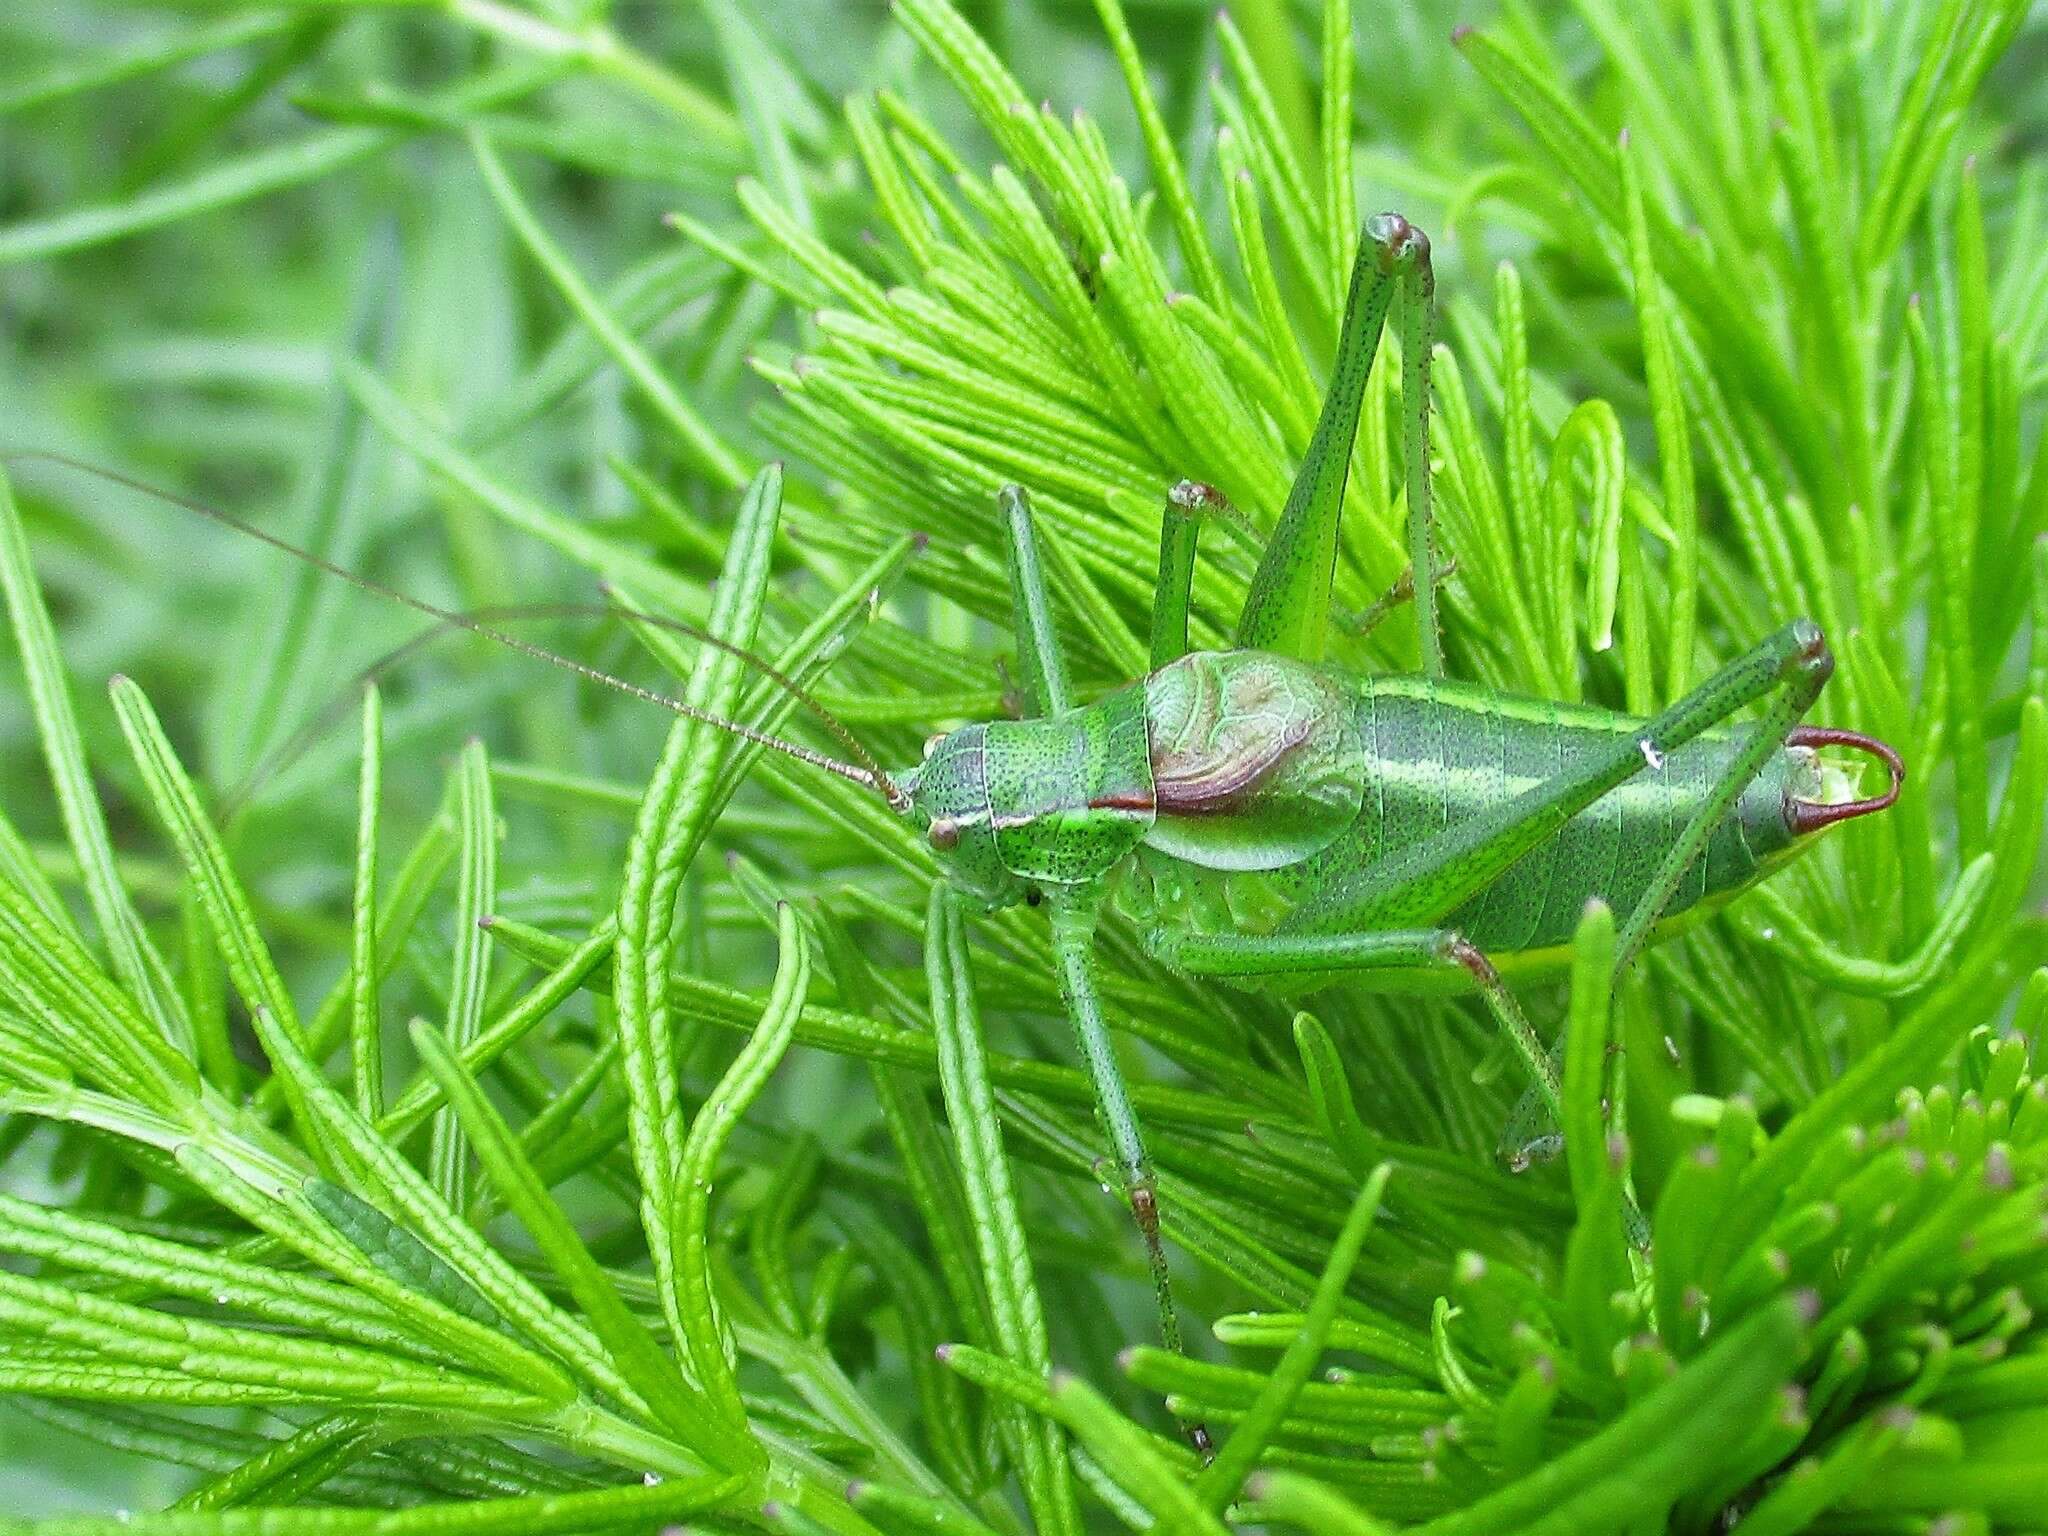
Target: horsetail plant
(398,1142)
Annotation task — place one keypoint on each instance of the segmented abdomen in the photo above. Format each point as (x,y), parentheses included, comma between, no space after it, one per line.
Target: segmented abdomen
(1440,752)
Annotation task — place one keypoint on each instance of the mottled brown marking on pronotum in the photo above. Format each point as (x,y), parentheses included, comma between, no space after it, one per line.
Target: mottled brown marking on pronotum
(1220,787)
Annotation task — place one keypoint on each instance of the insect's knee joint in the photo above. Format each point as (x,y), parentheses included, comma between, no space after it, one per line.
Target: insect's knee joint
(1462,952)
(1145,1206)
(1402,246)
(1197,497)
(1814,658)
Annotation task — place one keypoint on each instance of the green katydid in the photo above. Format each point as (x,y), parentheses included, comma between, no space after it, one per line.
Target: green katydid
(1272,821)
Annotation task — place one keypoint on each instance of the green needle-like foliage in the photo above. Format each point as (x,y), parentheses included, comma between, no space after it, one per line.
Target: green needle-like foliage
(501,1117)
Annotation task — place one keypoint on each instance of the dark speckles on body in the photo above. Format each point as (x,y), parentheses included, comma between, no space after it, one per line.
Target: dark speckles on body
(1251,781)
(1428,754)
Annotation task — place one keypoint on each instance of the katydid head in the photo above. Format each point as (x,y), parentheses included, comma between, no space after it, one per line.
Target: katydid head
(948,796)
(1012,807)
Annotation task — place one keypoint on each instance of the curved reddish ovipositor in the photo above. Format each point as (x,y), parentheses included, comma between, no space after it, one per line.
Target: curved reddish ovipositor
(1811,816)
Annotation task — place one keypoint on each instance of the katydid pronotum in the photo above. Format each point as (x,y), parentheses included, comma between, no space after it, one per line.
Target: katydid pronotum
(1272,821)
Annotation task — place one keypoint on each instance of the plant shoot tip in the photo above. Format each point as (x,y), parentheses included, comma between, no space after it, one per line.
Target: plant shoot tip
(1998,1166)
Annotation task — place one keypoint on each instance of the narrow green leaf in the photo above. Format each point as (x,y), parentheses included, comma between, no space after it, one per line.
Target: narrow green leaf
(1591,432)
(1674,444)
(290,1468)
(1006,1268)
(1816,1483)
(639,1357)
(1130,1456)
(240,178)
(606,556)
(135,959)
(476,882)
(672,823)
(1219,1481)
(704,445)
(1308,1505)
(445,1237)
(366,1040)
(648,1506)
(50,979)
(1954,541)
(274,1296)
(1642,1461)
(102,67)
(568,968)
(220,891)
(1161,154)
(319,1370)
(1585,1057)
(1340,200)
(711,1351)
(914,1510)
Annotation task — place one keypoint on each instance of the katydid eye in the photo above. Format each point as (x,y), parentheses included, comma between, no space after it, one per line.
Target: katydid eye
(944,833)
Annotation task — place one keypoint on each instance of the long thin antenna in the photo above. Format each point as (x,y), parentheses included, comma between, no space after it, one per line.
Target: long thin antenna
(512,613)
(870,775)
(767,669)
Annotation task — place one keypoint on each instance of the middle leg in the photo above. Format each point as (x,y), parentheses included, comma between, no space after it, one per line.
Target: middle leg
(1243,957)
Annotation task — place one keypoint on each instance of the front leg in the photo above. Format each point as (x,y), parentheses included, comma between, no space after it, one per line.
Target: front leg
(1075,913)
(1245,957)
(1180,528)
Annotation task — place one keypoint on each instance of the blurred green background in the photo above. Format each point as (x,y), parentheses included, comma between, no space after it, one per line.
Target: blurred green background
(184,254)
